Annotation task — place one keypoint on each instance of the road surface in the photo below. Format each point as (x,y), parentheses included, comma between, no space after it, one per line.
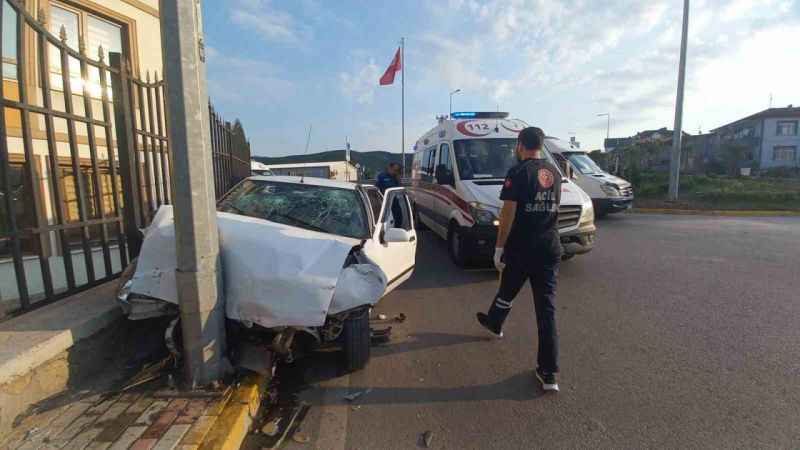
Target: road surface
(676,331)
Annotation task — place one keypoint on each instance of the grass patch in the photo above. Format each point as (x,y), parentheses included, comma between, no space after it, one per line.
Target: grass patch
(720,192)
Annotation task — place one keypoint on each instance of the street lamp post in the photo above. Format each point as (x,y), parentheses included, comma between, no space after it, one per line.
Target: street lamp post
(608,125)
(451,101)
(675,160)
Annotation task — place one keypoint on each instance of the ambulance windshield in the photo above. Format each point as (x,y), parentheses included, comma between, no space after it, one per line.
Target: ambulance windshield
(486,158)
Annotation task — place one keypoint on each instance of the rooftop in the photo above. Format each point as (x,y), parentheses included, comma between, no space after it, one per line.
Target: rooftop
(789,111)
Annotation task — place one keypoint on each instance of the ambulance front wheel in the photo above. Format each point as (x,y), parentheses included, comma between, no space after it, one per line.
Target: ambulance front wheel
(460,251)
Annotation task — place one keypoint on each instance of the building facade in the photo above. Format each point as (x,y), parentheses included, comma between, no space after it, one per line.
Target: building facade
(771,138)
(335,170)
(85,156)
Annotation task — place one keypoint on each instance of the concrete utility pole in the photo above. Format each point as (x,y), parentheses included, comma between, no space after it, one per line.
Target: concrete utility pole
(198,277)
(608,126)
(677,136)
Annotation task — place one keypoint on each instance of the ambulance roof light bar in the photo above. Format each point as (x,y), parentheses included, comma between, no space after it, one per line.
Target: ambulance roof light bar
(479,115)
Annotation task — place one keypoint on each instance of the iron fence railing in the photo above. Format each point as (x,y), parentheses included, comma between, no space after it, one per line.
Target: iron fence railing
(84,161)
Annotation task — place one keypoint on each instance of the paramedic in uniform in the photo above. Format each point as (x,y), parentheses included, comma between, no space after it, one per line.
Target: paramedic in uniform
(529,249)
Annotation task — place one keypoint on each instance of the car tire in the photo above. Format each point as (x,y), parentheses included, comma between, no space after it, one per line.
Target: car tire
(458,249)
(356,337)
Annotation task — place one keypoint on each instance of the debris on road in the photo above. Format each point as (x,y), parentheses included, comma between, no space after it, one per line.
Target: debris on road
(356,395)
(300,438)
(427,437)
(381,316)
(380,336)
(400,318)
(271,428)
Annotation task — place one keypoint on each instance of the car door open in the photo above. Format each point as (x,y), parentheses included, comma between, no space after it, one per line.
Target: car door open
(393,246)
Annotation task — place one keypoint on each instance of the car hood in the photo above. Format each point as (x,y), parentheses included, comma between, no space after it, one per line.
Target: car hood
(607,177)
(489,194)
(271,274)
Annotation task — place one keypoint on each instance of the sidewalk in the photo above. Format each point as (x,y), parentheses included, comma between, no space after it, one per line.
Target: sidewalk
(152,417)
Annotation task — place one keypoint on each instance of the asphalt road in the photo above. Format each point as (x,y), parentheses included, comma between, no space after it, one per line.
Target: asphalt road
(676,332)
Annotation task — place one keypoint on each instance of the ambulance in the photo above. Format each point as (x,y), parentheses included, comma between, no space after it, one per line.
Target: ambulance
(458,170)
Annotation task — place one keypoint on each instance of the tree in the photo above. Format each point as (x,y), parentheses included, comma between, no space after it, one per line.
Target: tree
(732,155)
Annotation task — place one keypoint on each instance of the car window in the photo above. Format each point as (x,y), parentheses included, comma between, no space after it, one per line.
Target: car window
(398,214)
(319,208)
(375,201)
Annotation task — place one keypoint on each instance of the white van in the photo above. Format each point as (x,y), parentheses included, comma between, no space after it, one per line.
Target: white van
(609,193)
(458,170)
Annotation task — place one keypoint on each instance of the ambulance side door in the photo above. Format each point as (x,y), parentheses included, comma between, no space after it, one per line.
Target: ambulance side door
(444,183)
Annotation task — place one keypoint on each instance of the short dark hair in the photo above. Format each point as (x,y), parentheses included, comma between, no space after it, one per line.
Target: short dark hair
(531,138)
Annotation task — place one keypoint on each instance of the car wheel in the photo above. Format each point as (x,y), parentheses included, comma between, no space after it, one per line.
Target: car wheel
(356,337)
(459,252)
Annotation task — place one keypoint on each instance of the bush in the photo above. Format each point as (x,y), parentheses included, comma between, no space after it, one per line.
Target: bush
(781,172)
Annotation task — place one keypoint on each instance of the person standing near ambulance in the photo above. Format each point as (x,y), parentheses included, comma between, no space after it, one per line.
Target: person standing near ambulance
(529,248)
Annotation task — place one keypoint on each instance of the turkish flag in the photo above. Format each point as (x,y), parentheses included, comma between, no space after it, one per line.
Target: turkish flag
(394,67)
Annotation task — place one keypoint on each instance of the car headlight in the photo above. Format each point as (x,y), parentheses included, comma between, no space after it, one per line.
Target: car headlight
(483,214)
(587,213)
(610,189)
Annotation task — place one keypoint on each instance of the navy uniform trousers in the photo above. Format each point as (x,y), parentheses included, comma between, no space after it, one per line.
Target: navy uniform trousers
(542,273)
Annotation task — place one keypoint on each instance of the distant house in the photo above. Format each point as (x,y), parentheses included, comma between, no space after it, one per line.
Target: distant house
(334,170)
(771,138)
(662,137)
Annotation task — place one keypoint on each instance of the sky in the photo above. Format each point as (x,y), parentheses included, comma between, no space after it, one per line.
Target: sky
(284,66)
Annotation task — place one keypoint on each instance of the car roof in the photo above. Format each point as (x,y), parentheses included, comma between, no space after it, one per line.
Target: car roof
(310,181)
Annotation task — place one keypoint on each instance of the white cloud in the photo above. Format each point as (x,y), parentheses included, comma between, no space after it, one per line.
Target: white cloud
(269,22)
(360,86)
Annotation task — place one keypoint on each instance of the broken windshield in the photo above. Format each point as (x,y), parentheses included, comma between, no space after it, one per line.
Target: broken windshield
(318,208)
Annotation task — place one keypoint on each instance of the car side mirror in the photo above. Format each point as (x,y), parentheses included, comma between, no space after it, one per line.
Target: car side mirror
(397,235)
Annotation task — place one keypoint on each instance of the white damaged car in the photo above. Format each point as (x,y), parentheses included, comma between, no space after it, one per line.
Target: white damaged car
(302,262)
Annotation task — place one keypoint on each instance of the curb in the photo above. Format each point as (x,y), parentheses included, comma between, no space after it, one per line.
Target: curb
(233,424)
(714,212)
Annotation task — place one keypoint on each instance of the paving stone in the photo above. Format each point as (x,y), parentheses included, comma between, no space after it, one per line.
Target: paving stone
(129,436)
(103,406)
(114,429)
(99,445)
(80,424)
(113,412)
(161,425)
(199,430)
(177,404)
(84,438)
(144,444)
(140,405)
(193,410)
(150,414)
(172,437)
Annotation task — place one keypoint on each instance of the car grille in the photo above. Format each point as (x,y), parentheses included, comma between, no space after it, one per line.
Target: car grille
(568,216)
(626,191)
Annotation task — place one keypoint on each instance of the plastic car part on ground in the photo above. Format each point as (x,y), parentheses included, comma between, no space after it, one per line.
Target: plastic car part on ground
(272,275)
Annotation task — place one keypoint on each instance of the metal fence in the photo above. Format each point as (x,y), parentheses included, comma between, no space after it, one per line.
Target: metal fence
(231,153)
(84,161)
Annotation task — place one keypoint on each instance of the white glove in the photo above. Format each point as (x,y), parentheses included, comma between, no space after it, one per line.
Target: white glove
(498,259)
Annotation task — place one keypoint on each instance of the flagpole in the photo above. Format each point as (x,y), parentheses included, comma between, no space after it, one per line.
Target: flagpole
(403,103)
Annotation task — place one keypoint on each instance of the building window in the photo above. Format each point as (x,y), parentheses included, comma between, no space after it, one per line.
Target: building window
(784,153)
(95,31)
(787,128)
(9,42)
